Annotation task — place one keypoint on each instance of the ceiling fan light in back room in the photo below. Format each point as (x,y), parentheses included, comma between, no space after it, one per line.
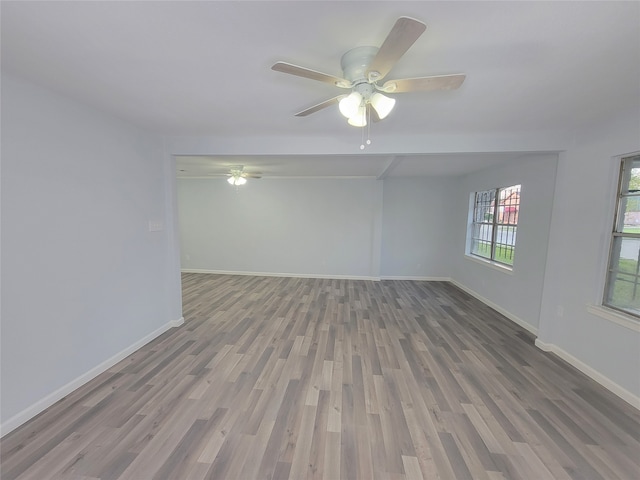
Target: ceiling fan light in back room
(237,180)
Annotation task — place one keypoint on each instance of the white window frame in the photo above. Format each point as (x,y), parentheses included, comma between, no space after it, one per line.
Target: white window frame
(495,223)
(622,194)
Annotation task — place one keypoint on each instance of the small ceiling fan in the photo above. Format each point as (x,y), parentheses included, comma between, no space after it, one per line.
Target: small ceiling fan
(237,175)
(364,68)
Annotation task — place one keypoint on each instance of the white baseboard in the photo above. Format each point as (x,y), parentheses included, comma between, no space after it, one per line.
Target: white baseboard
(416,278)
(567,357)
(624,394)
(497,308)
(275,274)
(317,275)
(30,412)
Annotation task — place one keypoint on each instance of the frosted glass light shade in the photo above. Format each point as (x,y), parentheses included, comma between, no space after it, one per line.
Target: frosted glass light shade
(350,104)
(382,104)
(360,118)
(237,180)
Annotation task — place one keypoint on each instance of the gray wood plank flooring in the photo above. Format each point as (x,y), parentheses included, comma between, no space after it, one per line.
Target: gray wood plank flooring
(291,378)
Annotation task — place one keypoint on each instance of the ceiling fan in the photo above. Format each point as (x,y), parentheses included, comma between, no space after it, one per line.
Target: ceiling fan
(364,68)
(238,176)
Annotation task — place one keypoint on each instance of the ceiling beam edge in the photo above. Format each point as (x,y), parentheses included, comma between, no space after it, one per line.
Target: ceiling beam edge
(388,168)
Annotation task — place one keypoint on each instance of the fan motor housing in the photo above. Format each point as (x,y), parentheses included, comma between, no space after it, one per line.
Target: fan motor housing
(355,62)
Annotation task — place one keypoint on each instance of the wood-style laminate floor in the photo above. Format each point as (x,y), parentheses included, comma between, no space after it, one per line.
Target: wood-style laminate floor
(332,379)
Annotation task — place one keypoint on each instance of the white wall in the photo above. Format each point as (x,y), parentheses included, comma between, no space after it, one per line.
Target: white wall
(281,226)
(416,227)
(83,278)
(516,293)
(398,227)
(578,249)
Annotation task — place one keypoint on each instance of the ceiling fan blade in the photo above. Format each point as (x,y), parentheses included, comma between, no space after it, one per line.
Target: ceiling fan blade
(403,34)
(312,74)
(423,84)
(320,106)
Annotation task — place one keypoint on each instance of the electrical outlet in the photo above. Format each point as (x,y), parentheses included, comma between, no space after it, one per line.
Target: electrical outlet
(156,225)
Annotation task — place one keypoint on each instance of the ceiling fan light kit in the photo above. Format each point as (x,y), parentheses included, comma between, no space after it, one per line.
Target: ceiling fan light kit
(354,105)
(237,175)
(360,118)
(364,92)
(364,67)
(350,105)
(237,180)
(382,104)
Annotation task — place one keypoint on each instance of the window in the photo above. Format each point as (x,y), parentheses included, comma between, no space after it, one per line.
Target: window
(494,224)
(622,288)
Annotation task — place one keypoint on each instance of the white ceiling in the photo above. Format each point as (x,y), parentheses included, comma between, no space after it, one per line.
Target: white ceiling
(203,69)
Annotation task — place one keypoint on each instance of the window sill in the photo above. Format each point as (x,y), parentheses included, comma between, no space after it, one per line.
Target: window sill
(488,263)
(614,316)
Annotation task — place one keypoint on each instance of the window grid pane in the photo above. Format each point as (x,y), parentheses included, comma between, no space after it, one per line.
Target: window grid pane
(494,225)
(482,230)
(505,244)
(481,239)
(622,289)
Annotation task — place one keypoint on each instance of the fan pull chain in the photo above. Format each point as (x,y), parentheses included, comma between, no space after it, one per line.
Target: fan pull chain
(369,126)
(367,113)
